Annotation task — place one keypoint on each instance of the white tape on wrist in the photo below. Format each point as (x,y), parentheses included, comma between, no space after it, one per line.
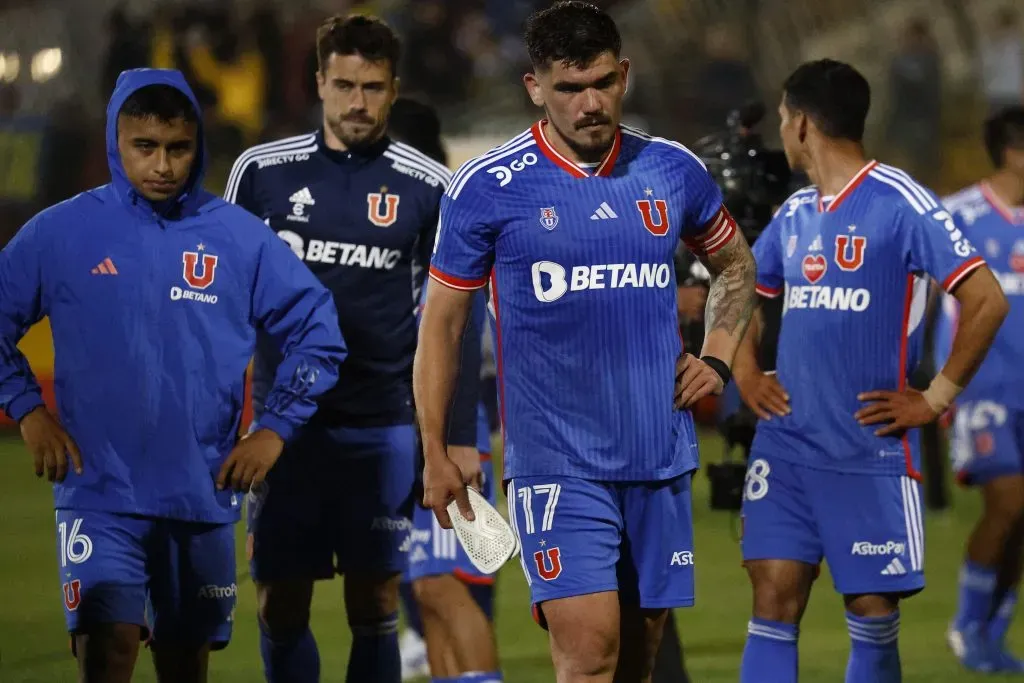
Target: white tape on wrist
(941,393)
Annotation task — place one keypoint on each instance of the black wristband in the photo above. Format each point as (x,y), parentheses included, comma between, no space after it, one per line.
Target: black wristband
(719,366)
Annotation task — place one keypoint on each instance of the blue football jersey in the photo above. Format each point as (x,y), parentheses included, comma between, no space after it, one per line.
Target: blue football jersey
(852,270)
(997,231)
(583,298)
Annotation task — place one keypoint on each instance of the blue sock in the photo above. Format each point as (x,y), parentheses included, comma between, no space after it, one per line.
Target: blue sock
(977,584)
(475,677)
(770,653)
(411,608)
(292,660)
(1000,622)
(375,657)
(875,649)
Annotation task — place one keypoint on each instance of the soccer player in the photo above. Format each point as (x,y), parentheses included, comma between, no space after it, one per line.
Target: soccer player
(361,211)
(155,290)
(988,442)
(834,465)
(575,223)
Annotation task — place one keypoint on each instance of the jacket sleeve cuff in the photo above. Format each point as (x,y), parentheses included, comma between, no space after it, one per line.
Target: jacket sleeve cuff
(276,424)
(24,404)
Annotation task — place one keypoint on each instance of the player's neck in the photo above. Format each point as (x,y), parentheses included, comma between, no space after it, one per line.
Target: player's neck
(1008,187)
(834,165)
(335,143)
(563,148)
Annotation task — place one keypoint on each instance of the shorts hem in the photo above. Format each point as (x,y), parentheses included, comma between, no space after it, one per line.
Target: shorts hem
(779,556)
(463,576)
(909,587)
(671,603)
(271,577)
(973,479)
(574,593)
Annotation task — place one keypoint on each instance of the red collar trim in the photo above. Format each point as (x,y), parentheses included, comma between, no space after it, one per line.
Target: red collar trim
(1012,215)
(848,190)
(573,169)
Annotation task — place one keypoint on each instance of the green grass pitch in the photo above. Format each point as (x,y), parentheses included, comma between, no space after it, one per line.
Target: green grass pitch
(33,645)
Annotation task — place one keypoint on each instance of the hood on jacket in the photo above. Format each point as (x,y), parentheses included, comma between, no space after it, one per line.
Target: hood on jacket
(127,83)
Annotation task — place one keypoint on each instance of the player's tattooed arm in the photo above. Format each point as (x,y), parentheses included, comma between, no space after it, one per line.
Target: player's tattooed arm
(731,297)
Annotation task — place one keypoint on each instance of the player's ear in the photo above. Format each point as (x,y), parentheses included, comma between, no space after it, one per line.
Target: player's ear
(533,88)
(321,83)
(624,65)
(802,125)
(396,83)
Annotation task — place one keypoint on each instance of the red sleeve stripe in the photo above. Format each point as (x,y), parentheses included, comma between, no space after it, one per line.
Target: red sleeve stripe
(722,229)
(958,275)
(456,282)
(768,292)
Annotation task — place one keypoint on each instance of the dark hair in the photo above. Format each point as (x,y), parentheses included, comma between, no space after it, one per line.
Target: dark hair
(1003,130)
(369,37)
(418,125)
(833,94)
(163,102)
(572,32)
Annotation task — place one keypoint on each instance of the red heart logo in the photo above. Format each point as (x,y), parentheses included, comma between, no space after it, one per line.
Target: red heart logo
(814,268)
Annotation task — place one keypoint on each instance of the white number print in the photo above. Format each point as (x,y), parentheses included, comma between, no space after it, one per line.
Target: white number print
(75,547)
(757,480)
(504,173)
(970,419)
(526,494)
(960,244)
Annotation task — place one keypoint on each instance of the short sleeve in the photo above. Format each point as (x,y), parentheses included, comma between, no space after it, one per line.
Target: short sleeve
(934,243)
(464,246)
(708,225)
(768,255)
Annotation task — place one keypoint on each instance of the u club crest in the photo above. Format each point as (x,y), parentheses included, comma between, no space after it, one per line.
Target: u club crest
(382,208)
(548,218)
(199,268)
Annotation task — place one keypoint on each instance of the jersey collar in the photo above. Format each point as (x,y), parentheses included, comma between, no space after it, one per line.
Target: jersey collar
(1013,215)
(575,170)
(354,156)
(856,180)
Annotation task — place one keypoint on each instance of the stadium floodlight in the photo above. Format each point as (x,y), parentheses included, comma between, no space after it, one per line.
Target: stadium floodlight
(46,64)
(10,65)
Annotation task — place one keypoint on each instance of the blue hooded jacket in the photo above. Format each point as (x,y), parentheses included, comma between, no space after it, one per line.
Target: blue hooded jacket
(154,312)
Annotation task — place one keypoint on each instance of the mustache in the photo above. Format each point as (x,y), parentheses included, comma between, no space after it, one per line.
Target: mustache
(592,121)
(359,118)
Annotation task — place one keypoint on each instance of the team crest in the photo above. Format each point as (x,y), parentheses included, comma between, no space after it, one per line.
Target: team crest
(548,218)
(1017,256)
(549,563)
(850,252)
(382,208)
(655,216)
(791,246)
(72,594)
(199,272)
(814,268)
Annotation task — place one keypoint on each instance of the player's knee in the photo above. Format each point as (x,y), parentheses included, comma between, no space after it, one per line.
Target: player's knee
(370,597)
(1004,502)
(584,636)
(433,593)
(283,609)
(778,595)
(872,606)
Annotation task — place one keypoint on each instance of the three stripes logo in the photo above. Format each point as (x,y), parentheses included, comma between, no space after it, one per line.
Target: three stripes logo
(604,212)
(106,267)
(895,568)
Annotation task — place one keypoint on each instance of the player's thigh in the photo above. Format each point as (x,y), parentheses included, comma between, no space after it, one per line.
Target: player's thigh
(291,528)
(378,471)
(656,565)
(986,442)
(584,634)
(778,520)
(436,551)
(193,587)
(570,531)
(873,531)
(101,559)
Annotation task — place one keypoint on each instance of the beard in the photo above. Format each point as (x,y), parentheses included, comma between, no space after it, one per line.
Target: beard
(591,138)
(357,131)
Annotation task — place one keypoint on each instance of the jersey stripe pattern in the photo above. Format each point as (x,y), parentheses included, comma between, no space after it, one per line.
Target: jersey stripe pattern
(852,269)
(998,232)
(582,297)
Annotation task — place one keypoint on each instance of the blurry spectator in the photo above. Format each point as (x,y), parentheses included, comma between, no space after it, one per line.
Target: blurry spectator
(434,65)
(1002,62)
(915,101)
(724,82)
(128,48)
(265,25)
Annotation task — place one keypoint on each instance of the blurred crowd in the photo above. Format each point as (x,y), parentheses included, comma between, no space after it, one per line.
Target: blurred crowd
(254,72)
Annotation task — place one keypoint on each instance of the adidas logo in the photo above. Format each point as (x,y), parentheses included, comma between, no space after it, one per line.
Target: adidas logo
(302,197)
(816,244)
(895,568)
(106,267)
(603,212)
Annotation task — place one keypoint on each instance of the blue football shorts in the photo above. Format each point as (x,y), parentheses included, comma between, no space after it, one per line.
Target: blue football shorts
(987,442)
